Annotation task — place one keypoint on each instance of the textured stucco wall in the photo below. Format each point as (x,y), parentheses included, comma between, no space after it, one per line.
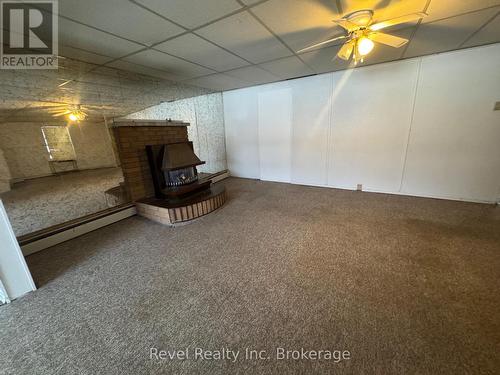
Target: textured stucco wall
(27,157)
(40,203)
(4,174)
(205,115)
(93,147)
(24,149)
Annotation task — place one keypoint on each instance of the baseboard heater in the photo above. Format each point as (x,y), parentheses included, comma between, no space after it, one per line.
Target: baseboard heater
(42,239)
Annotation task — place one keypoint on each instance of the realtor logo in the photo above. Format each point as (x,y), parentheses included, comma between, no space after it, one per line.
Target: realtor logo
(29,34)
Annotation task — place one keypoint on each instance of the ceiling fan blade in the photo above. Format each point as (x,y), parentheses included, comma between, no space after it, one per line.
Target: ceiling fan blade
(390,40)
(59,111)
(65,83)
(321,43)
(43,107)
(60,114)
(348,25)
(346,51)
(397,21)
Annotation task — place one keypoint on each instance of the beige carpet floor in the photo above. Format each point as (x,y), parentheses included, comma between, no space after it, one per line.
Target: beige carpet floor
(406,285)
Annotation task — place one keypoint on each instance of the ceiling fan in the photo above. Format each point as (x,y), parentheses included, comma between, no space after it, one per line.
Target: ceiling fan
(362,32)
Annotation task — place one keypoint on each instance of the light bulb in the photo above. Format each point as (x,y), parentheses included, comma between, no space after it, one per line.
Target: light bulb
(365,46)
(73,117)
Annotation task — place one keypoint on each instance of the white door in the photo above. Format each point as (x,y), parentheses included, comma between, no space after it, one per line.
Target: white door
(14,273)
(4,298)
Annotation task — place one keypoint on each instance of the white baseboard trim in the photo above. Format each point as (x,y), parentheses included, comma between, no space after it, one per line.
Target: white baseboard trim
(76,231)
(369,190)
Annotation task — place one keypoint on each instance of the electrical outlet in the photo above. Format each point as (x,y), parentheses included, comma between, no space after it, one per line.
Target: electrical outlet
(497,106)
(359,187)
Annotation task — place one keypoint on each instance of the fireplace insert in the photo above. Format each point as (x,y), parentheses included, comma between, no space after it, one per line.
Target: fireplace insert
(173,169)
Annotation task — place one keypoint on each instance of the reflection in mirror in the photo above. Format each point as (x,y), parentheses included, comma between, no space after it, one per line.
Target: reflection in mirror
(53,172)
(58,157)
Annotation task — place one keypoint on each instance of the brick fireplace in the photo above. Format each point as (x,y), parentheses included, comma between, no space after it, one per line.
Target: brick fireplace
(132,137)
(159,169)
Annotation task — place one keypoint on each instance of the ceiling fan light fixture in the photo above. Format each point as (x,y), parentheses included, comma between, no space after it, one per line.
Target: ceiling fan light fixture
(360,33)
(77,114)
(364,46)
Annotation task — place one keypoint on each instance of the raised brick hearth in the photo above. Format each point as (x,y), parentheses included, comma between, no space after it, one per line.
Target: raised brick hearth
(167,213)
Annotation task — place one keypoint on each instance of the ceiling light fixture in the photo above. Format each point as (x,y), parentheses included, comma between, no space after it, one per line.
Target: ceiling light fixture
(74,113)
(77,114)
(365,46)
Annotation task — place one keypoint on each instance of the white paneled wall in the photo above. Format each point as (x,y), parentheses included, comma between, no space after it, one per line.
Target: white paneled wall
(241,111)
(371,119)
(423,126)
(311,112)
(275,126)
(454,149)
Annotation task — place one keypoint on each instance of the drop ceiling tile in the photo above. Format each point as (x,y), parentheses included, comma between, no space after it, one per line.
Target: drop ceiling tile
(122,18)
(325,60)
(169,64)
(447,34)
(194,48)
(386,9)
(78,54)
(141,69)
(191,13)
(79,36)
(444,9)
(252,74)
(289,67)
(488,34)
(246,37)
(300,23)
(219,82)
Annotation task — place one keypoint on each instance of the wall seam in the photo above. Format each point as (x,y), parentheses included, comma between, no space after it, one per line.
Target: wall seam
(194,106)
(291,178)
(329,152)
(258,135)
(224,129)
(417,81)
